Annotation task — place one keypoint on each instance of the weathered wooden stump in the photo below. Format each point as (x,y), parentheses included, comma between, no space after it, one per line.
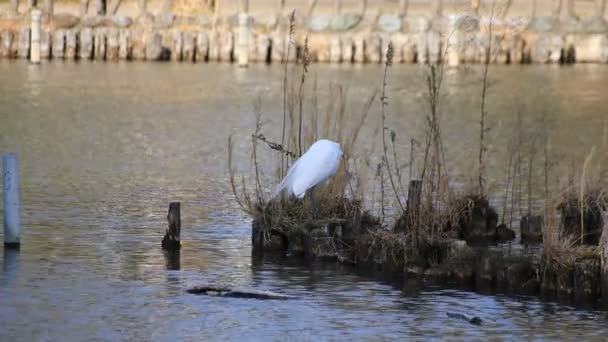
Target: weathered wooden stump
(171,239)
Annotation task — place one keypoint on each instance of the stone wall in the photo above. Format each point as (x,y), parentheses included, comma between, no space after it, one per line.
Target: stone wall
(454,38)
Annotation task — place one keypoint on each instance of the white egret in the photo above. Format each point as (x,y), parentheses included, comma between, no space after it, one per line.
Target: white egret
(320,162)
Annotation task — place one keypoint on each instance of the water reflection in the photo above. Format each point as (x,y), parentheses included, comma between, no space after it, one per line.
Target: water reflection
(172,260)
(10,266)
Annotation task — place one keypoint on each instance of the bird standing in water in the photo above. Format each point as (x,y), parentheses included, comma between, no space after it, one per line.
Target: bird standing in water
(320,162)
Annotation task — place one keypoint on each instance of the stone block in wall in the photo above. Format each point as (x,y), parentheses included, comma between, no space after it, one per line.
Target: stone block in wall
(86,43)
(389,23)
(422,51)
(417,24)
(318,48)
(177,45)
(278,46)
(202,47)
(163,21)
(154,47)
(589,48)
(45,44)
(359,49)
(214,46)
(263,44)
(124,44)
(545,48)
(5,47)
(373,47)
(385,40)
(346,48)
(335,49)
(112,44)
(71,43)
(189,46)
(23,49)
(227,46)
(99,43)
(58,45)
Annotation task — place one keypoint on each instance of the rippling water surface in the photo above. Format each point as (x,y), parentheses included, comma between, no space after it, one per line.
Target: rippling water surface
(105,147)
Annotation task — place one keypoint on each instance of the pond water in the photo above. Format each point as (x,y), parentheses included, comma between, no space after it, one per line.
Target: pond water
(105,147)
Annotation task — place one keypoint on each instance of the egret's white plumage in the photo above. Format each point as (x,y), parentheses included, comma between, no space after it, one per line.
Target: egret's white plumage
(320,162)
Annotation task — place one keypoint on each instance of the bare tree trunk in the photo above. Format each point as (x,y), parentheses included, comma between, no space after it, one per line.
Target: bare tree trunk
(84,7)
(337,7)
(403,6)
(244,6)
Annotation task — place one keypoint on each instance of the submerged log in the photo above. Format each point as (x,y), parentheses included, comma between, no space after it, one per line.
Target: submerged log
(171,241)
(237,292)
(471,319)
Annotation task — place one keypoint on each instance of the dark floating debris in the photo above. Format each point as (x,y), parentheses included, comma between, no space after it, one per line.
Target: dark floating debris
(237,292)
(471,319)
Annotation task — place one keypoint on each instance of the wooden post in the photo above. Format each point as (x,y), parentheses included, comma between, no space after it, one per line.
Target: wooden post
(10,183)
(35,37)
(171,239)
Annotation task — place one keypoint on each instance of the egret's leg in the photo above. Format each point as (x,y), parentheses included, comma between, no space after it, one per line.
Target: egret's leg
(315,210)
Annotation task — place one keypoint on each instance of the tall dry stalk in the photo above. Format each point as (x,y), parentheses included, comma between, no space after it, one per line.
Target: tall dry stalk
(586,164)
(292,27)
(305,64)
(384,103)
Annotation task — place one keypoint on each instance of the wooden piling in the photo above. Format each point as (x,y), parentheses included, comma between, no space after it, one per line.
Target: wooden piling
(10,186)
(35,36)
(171,241)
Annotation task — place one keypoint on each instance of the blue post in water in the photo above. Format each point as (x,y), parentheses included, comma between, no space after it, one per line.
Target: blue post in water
(10,183)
